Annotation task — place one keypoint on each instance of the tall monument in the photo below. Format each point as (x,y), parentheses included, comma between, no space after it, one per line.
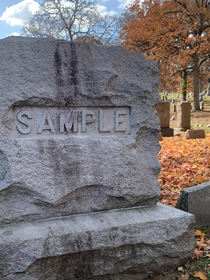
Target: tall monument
(79,166)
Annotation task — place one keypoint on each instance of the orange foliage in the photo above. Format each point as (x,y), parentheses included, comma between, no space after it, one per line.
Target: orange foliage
(184,163)
(174,33)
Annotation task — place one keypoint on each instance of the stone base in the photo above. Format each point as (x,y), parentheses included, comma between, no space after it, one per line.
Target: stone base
(167,131)
(195,133)
(127,244)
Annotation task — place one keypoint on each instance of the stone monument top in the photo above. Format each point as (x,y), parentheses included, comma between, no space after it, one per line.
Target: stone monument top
(78,129)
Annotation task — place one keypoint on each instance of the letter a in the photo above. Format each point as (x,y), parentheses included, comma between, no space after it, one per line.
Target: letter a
(46,123)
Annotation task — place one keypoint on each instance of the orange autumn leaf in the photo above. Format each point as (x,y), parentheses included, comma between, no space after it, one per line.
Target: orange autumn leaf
(200,275)
(199,178)
(200,234)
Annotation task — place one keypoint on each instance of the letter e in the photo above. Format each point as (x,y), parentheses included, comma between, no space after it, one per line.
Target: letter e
(121,121)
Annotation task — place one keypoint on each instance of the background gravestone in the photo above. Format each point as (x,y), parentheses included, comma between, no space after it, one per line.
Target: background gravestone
(163,109)
(196,200)
(78,135)
(208,88)
(183,115)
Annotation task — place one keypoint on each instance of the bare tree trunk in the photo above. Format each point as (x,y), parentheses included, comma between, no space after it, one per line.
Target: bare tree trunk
(196,84)
(183,85)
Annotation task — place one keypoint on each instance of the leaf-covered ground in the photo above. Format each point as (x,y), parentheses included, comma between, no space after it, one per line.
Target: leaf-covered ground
(184,163)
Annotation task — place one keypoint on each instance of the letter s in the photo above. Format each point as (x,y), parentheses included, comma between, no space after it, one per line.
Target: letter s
(23,117)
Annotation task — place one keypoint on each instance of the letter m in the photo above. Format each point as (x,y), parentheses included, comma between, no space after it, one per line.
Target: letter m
(68,123)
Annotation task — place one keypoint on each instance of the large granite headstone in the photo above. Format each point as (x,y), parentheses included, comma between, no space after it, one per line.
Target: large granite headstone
(78,135)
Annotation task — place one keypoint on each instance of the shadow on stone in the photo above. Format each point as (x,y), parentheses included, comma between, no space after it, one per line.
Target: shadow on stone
(5,173)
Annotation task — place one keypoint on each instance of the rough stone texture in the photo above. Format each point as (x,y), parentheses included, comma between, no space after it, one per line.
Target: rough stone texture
(183,115)
(122,244)
(167,131)
(163,109)
(51,171)
(195,133)
(196,200)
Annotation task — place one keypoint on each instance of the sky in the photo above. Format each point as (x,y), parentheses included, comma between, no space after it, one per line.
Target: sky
(15,13)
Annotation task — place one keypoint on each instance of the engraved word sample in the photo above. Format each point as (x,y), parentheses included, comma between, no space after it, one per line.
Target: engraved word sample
(46,121)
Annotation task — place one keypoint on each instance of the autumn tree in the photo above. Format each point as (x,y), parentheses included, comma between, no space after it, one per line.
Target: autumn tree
(175,33)
(73,19)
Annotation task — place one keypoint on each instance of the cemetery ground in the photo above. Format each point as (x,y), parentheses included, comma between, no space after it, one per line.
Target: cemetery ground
(186,163)
(199,119)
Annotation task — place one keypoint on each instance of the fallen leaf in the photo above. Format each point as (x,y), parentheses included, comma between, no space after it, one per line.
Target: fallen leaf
(199,178)
(202,240)
(198,253)
(180,268)
(207,250)
(203,235)
(200,233)
(184,277)
(202,245)
(200,275)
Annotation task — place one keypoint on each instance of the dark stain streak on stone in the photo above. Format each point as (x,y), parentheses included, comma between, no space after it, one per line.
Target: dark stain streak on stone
(35,101)
(73,66)
(72,77)
(57,63)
